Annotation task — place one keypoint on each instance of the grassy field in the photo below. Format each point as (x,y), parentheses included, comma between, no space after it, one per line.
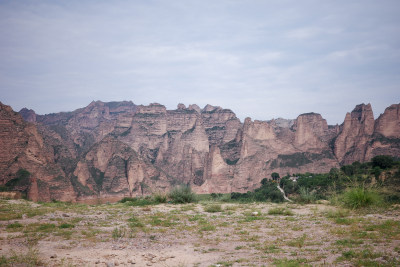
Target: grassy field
(207,233)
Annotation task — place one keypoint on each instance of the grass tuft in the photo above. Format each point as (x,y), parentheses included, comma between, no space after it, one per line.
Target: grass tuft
(361,197)
(213,208)
(280,211)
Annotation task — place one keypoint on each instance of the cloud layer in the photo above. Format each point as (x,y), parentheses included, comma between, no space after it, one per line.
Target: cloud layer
(263,59)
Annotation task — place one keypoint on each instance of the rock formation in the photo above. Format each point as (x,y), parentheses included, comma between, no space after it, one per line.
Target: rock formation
(356,131)
(27,162)
(116,149)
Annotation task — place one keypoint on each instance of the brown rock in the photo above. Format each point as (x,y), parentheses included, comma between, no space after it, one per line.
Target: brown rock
(117,149)
(28,115)
(26,160)
(388,123)
(355,132)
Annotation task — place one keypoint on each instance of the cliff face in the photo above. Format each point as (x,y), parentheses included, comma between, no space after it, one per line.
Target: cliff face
(386,137)
(355,133)
(111,150)
(27,163)
(388,124)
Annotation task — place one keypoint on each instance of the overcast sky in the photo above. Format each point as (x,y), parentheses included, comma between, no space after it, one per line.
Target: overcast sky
(262,59)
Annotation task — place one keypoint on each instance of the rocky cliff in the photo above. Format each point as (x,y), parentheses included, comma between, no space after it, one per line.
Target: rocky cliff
(27,162)
(116,149)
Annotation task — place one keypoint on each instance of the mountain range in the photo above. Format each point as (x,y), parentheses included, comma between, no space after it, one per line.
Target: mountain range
(106,151)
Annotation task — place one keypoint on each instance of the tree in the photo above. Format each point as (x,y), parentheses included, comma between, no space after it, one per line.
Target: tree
(348,170)
(382,161)
(377,172)
(275,176)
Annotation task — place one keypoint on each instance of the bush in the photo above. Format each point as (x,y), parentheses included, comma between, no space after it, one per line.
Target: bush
(30,258)
(213,208)
(118,232)
(306,196)
(216,196)
(275,176)
(160,198)
(359,197)
(182,194)
(138,201)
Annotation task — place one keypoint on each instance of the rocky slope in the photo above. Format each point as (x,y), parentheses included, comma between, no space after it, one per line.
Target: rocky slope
(116,149)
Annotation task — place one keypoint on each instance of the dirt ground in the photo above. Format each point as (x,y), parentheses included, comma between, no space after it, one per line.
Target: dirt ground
(202,234)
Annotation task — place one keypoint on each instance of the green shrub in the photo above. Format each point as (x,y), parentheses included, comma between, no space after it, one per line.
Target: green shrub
(213,208)
(66,225)
(160,198)
(30,258)
(359,197)
(182,194)
(288,185)
(267,192)
(339,213)
(126,199)
(133,201)
(135,222)
(306,196)
(118,232)
(14,225)
(280,211)
(46,227)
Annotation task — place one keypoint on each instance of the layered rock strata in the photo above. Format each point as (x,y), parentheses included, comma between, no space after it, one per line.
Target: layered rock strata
(116,149)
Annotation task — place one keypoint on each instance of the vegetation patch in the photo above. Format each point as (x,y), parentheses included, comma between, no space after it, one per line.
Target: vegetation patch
(361,197)
(267,192)
(280,211)
(213,208)
(182,194)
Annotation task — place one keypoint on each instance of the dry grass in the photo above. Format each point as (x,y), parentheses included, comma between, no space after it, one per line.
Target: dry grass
(54,234)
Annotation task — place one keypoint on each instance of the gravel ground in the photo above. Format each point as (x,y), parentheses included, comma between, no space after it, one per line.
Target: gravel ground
(202,234)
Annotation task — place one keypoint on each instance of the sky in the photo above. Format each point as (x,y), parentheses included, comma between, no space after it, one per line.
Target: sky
(261,59)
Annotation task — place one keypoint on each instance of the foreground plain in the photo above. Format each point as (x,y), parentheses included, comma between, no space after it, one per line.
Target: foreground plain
(202,234)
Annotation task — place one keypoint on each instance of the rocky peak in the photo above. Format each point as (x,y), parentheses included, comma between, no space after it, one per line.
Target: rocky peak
(209,108)
(364,115)
(388,123)
(195,107)
(153,108)
(355,132)
(309,129)
(258,130)
(181,106)
(29,115)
